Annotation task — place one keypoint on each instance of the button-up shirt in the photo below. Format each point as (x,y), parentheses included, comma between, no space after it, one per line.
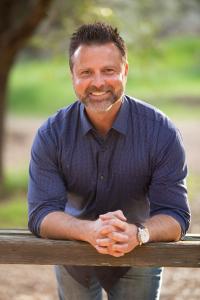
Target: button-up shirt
(138,167)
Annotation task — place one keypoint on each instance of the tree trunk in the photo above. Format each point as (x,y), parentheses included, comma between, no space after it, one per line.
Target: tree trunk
(5,66)
(18,20)
(4,73)
(2,110)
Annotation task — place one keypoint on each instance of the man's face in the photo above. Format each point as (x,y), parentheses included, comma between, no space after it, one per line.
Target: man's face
(99,75)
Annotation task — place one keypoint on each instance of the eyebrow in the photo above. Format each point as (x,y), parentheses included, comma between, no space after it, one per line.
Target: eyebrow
(104,67)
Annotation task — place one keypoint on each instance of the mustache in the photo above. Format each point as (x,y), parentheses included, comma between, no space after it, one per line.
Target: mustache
(102,89)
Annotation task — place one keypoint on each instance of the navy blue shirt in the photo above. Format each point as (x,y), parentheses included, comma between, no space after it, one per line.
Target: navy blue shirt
(138,167)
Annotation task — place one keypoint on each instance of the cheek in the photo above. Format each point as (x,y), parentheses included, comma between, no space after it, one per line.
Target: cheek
(79,85)
(118,80)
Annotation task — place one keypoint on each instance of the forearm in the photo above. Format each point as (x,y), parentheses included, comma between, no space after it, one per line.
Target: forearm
(163,228)
(59,225)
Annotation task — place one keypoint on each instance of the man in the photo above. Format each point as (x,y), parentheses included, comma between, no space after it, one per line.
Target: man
(108,170)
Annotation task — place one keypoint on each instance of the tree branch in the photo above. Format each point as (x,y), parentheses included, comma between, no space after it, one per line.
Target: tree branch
(15,39)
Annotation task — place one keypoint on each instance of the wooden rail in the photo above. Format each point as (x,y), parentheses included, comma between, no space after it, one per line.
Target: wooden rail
(21,247)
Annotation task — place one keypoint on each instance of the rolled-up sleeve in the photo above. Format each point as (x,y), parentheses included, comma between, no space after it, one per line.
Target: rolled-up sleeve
(47,189)
(168,192)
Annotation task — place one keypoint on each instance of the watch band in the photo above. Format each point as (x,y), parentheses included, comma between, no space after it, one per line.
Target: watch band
(140,225)
(142,234)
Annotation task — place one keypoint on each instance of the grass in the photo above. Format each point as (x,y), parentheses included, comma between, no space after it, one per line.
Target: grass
(13,213)
(15,182)
(13,203)
(193,183)
(167,77)
(39,88)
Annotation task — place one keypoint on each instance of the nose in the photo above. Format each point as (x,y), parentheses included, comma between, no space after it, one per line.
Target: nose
(98,81)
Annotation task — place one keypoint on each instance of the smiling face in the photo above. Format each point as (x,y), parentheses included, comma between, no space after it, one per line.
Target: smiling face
(99,75)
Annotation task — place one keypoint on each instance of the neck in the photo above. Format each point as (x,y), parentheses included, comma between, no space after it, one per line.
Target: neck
(102,121)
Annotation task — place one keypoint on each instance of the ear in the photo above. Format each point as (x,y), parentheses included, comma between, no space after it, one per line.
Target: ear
(126,68)
(71,74)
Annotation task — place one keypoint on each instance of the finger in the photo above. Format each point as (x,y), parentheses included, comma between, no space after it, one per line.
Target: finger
(104,250)
(106,216)
(118,237)
(120,248)
(104,242)
(107,229)
(118,214)
(117,254)
(119,224)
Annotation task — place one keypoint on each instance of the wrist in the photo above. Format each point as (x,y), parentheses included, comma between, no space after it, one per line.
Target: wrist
(87,231)
(143,235)
(134,234)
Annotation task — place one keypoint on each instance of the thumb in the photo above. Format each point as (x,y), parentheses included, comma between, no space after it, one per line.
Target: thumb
(114,214)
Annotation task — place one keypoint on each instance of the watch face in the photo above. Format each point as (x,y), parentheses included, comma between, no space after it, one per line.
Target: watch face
(143,235)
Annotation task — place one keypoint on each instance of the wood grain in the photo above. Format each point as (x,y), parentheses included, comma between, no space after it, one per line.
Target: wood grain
(21,247)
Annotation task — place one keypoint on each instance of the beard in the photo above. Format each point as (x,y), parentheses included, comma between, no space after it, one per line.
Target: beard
(100,103)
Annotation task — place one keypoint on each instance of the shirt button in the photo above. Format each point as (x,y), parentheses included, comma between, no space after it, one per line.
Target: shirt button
(102,177)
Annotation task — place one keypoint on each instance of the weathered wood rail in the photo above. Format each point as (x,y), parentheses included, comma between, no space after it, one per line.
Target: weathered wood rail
(21,247)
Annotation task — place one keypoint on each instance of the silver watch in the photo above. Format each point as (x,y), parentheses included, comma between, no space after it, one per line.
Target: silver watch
(142,234)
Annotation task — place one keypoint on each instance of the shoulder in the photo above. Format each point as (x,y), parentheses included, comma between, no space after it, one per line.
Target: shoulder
(149,116)
(51,132)
(62,117)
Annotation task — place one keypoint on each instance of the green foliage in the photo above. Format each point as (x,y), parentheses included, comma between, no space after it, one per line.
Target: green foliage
(39,88)
(141,23)
(13,204)
(166,76)
(14,183)
(13,213)
(171,70)
(193,183)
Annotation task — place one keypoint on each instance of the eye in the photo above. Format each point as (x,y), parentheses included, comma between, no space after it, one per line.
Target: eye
(85,73)
(109,71)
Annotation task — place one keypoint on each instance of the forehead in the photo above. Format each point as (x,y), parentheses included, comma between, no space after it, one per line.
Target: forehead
(96,54)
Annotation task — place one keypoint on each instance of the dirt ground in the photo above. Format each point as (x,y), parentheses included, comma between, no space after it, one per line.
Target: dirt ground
(27,282)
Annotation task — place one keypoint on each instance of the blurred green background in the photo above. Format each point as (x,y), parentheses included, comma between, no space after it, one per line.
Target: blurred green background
(164,70)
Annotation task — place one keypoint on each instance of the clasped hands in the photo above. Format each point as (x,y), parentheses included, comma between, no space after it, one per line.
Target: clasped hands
(112,234)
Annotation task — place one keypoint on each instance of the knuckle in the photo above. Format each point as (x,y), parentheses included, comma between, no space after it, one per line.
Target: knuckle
(101,250)
(126,248)
(118,254)
(111,235)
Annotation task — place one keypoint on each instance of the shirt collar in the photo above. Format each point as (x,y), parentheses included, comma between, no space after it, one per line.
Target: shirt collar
(85,123)
(120,124)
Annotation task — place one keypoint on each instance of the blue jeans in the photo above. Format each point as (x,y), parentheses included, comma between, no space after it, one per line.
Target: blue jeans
(137,284)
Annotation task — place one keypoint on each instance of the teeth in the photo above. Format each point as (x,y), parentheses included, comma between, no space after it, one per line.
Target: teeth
(98,93)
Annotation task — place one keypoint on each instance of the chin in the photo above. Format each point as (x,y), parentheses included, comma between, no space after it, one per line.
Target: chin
(99,107)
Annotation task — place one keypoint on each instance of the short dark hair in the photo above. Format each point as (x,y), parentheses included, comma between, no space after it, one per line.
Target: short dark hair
(96,33)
